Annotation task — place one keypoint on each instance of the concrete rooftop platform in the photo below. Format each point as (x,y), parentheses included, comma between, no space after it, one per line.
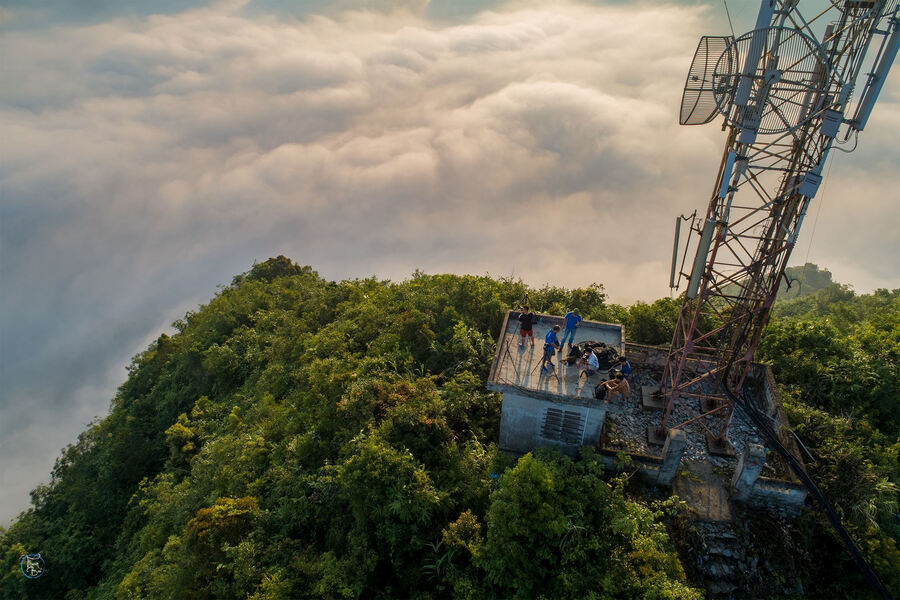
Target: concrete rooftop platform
(518,368)
(559,409)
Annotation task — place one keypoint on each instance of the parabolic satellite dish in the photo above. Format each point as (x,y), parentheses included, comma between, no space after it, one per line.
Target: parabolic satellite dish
(783,90)
(698,102)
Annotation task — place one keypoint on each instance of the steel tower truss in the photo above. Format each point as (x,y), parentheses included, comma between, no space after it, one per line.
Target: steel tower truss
(786,100)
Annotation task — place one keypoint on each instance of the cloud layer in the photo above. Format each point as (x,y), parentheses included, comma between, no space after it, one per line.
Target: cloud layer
(147,159)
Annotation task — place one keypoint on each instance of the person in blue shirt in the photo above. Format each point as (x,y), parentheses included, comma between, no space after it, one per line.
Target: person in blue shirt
(624,367)
(551,344)
(573,321)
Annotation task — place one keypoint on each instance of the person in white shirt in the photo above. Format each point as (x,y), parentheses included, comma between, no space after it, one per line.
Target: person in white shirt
(592,366)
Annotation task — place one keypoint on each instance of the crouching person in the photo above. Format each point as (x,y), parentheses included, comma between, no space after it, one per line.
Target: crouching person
(591,365)
(618,388)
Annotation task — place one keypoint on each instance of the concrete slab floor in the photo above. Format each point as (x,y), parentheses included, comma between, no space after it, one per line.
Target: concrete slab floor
(520,366)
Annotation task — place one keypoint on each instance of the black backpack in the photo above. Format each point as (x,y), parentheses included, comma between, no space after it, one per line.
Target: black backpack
(600,391)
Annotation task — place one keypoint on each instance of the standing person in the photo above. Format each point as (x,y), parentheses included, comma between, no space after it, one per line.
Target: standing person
(551,345)
(624,367)
(573,321)
(526,326)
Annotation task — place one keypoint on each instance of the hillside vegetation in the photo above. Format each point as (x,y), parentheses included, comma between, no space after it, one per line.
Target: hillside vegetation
(300,438)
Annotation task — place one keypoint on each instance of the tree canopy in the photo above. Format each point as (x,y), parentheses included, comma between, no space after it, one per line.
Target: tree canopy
(302,438)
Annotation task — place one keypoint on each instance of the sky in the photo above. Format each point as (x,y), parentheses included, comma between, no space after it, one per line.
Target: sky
(148,156)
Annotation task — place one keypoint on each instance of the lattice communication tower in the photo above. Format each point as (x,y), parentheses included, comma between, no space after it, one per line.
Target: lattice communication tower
(788,91)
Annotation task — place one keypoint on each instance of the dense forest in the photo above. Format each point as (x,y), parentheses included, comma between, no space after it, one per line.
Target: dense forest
(301,438)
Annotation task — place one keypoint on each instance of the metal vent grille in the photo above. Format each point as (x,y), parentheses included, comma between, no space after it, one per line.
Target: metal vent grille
(698,104)
(563,426)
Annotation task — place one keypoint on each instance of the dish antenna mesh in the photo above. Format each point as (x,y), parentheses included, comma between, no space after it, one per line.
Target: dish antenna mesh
(787,85)
(698,102)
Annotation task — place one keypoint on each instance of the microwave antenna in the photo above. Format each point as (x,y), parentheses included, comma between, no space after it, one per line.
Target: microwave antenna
(788,91)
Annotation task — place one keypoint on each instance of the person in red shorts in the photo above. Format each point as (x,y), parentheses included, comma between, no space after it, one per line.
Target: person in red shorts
(526,326)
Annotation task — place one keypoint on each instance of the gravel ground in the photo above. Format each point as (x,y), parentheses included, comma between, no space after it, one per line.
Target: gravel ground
(628,430)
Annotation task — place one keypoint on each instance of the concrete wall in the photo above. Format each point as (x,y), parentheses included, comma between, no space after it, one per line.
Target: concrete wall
(527,423)
(647,467)
(776,495)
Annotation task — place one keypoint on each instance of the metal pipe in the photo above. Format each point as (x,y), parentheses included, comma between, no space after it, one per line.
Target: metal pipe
(675,253)
(754,53)
(726,174)
(700,260)
(876,81)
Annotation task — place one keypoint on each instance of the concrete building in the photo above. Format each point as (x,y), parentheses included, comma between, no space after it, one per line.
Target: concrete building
(559,409)
(556,408)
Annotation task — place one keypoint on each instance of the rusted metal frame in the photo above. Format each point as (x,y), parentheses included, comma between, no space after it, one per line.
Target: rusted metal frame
(716,330)
(724,266)
(728,264)
(729,412)
(756,316)
(747,236)
(730,297)
(742,215)
(811,159)
(701,396)
(788,222)
(738,226)
(719,287)
(734,300)
(726,298)
(767,223)
(737,207)
(754,185)
(758,328)
(762,153)
(824,12)
(697,418)
(713,308)
(771,149)
(708,366)
(729,143)
(708,334)
(740,237)
(751,226)
(742,263)
(772,252)
(707,352)
(738,231)
(732,279)
(700,378)
(677,353)
(682,359)
(774,156)
(771,169)
(757,186)
(776,142)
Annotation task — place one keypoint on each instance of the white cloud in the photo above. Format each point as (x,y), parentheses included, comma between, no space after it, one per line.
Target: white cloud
(147,159)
